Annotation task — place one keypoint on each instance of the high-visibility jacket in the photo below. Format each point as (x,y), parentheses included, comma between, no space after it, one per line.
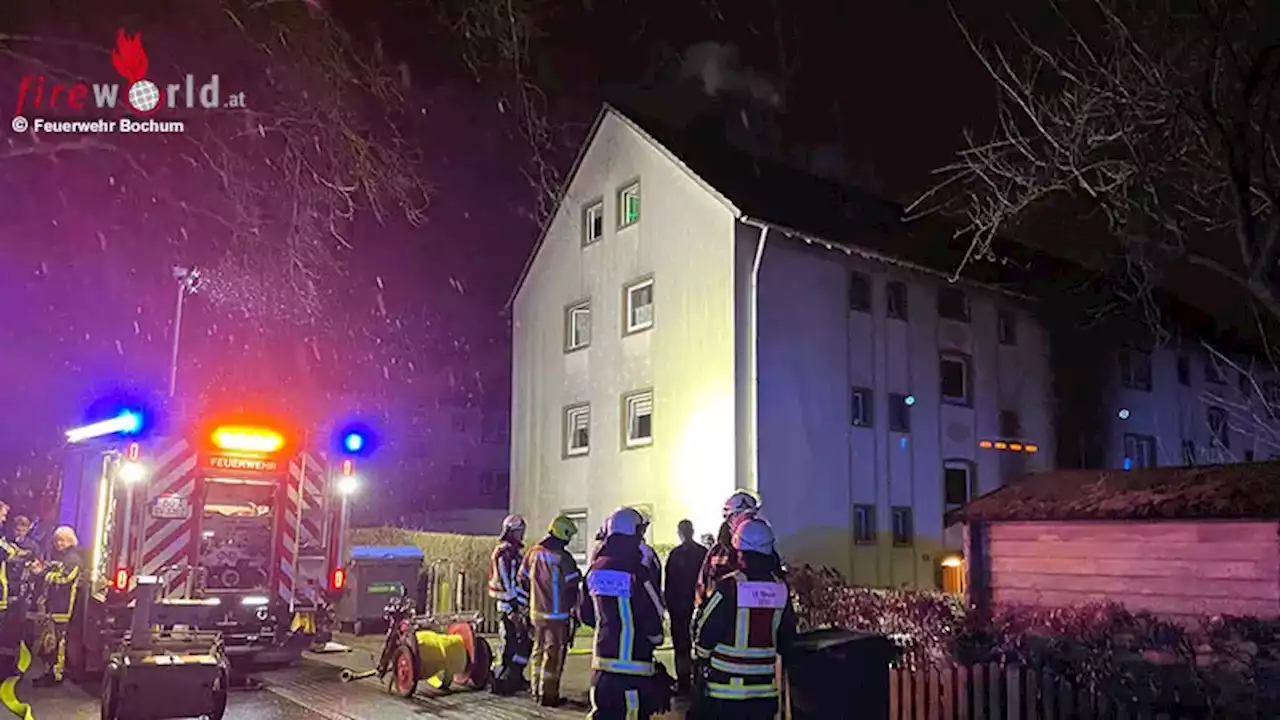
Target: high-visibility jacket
(622,605)
(504,566)
(62,580)
(9,559)
(550,576)
(741,630)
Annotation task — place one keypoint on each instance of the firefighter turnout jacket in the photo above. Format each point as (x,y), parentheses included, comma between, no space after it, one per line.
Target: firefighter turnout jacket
(61,581)
(10,560)
(741,629)
(504,568)
(550,577)
(622,605)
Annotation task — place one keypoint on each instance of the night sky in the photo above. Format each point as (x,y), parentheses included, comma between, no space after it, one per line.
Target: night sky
(392,308)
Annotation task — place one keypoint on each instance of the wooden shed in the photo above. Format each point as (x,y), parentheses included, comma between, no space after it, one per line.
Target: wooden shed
(1178,542)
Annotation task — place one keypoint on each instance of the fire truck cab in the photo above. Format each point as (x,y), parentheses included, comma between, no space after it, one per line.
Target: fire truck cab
(241,530)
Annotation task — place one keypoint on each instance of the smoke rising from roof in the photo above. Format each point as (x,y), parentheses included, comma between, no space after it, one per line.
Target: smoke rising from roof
(718,67)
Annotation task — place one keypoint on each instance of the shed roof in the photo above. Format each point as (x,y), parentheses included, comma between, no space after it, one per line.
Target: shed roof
(1214,492)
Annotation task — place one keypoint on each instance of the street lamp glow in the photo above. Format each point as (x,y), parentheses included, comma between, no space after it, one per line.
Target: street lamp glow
(132,472)
(125,423)
(347,484)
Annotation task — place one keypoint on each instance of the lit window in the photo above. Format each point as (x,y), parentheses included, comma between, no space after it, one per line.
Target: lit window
(957,483)
(899,413)
(954,372)
(629,205)
(1135,369)
(864,524)
(1007,327)
(577,546)
(577,430)
(639,301)
(639,415)
(860,407)
(895,300)
(592,223)
(953,304)
(1139,451)
(903,532)
(859,292)
(577,326)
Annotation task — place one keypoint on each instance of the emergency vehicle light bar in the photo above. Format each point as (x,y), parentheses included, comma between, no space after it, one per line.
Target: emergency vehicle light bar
(126,423)
(236,438)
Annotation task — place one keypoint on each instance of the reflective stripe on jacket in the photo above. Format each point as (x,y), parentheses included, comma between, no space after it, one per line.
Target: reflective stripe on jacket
(719,562)
(622,605)
(551,577)
(503,569)
(62,579)
(740,639)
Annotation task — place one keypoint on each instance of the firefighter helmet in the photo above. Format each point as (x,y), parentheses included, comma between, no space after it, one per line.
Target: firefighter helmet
(754,535)
(624,521)
(741,503)
(512,523)
(563,527)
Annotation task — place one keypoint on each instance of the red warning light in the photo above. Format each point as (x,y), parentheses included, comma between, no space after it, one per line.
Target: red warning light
(132,453)
(122,579)
(339,579)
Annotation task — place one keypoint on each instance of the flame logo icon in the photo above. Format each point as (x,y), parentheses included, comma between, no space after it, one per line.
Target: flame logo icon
(130,60)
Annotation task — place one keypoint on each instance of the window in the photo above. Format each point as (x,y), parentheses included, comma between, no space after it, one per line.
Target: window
(860,407)
(638,408)
(895,300)
(957,483)
(953,304)
(864,524)
(629,205)
(1219,433)
(577,547)
(593,223)
(1139,452)
(859,292)
(1212,372)
(1010,424)
(1248,456)
(493,483)
(903,532)
(1007,327)
(639,306)
(1184,370)
(1135,369)
(577,326)
(577,430)
(954,371)
(900,412)
(1188,453)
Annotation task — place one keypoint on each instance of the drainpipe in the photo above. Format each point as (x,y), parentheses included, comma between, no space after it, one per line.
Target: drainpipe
(753,329)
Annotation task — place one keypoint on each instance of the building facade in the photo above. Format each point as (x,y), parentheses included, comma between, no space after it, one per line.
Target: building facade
(670,348)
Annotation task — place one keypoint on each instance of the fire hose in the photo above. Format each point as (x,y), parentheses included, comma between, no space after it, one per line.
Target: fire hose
(456,656)
(9,688)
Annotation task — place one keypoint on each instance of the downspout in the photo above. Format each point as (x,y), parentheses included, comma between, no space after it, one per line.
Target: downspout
(753,330)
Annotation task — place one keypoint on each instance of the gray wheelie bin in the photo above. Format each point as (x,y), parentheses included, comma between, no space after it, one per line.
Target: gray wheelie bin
(836,673)
(374,576)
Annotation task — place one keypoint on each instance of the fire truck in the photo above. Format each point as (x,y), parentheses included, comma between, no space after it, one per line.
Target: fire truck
(240,529)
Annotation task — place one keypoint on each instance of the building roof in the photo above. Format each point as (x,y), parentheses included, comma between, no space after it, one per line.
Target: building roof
(1214,492)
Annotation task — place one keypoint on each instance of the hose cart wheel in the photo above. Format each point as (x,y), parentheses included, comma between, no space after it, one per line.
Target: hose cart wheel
(404,676)
(476,675)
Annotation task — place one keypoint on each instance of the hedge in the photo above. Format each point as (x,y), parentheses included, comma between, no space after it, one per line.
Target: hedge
(1221,667)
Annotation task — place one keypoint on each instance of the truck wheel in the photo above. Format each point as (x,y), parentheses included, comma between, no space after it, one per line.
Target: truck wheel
(404,679)
(110,697)
(220,689)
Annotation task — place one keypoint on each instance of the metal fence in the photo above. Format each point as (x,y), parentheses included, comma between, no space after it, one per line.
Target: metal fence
(449,589)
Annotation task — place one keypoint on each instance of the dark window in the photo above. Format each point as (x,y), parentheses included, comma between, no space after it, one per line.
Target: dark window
(1212,372)
(860,407)
(957,483)
(903,533)
(953,304)
(1218,430)
(895,300)
(1139,452)
(900,412)
(954,372)
(1184,370)
(1010,424)
(1248,456)
(859,292)
(1188,453)
(864,524)
(1007,327)
(1135,369)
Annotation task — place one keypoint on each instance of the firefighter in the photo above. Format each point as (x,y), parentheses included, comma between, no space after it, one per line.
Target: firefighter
(61,577)
(678,589)
(553,581)
(649,555)
(743,629)
(740,506)
(21,550)
(513,607)
(623,607)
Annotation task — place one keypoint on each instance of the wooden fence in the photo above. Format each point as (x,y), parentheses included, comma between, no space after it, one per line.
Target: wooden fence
(997,692)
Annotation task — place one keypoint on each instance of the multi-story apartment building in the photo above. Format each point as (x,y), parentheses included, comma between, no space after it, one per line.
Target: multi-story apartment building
(695,320)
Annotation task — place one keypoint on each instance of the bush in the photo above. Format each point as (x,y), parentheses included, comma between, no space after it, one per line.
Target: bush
(1217,667)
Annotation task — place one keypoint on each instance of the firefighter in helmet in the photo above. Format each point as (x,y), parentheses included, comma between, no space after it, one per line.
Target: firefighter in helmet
(740,506)
(553,581)
(61,577)
(742,629)
(622,605)
(513,607)
(650,556)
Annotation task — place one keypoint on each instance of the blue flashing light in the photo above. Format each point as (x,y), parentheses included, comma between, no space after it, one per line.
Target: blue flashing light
(356,439)
(909,400)
(1128,463)
(353,442)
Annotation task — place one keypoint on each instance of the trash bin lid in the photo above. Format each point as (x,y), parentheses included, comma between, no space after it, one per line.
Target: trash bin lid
(386,552)
(832,638)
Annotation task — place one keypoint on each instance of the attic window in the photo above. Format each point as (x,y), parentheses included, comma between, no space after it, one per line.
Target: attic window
(859,292)
(592,223)
(953,304)
(629,205)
